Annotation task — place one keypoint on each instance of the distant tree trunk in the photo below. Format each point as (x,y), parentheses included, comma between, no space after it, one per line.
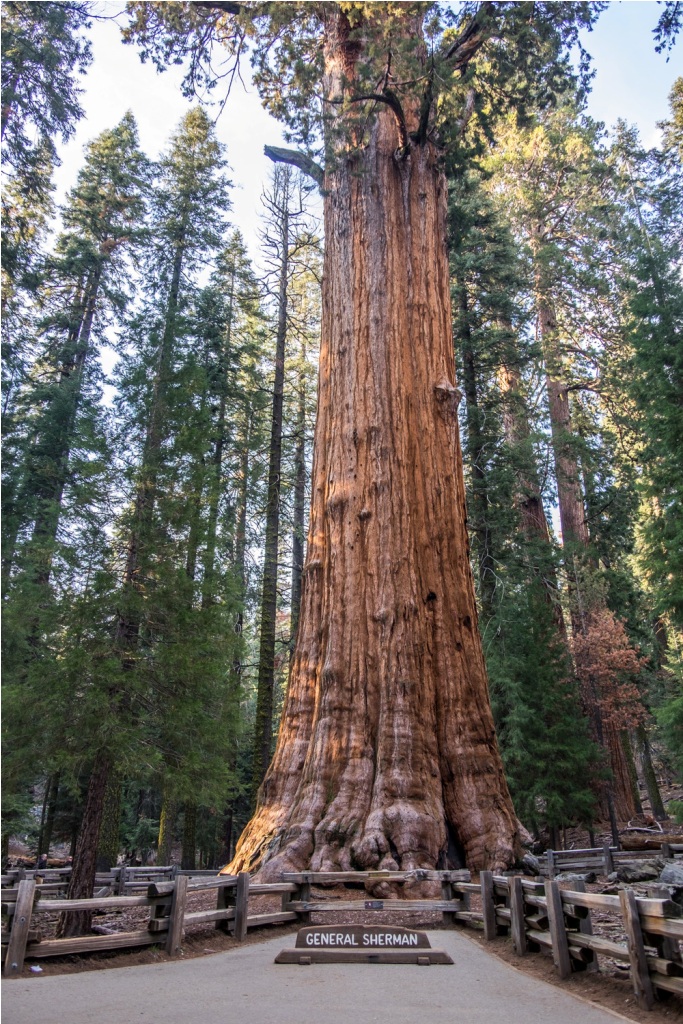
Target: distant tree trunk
(167,820)
(570,497)
(225,847)
(51,813)
(298,535)
(40,849)
(263,726)
(82,879)
(46,840)
(657,808)
(189,843)
(108,844)
(476,451)
(528,497)
(242,503)
(631,767)
(386,755)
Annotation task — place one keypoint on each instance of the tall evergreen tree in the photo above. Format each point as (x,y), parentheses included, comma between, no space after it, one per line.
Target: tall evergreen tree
(155,608)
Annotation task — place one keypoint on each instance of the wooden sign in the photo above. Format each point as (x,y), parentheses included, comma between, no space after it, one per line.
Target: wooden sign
(379,944)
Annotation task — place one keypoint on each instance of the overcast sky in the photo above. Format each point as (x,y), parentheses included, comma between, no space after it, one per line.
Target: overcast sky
(632,82)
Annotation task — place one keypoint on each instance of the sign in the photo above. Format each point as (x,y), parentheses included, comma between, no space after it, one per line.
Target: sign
(379,944)
(360,937)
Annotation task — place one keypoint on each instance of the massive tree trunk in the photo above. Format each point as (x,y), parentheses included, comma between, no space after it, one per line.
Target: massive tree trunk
(386,755)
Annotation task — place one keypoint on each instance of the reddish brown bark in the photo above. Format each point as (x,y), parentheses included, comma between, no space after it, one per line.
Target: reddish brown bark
(386,755)
(82,878)
(569,492)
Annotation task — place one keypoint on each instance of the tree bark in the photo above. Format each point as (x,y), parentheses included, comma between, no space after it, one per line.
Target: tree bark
(657,808)
(479,507)
(169,809)
(51,813)
(108,842)
(82,879)
(569,493)
(528,497)
(386,755)
(189,842)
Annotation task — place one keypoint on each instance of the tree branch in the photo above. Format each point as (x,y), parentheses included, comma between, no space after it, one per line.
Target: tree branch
(471,39)
(392,101)
(296,159)
(226,8)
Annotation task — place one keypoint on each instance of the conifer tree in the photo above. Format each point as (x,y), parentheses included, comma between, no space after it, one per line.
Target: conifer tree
(191,181)
(83,286)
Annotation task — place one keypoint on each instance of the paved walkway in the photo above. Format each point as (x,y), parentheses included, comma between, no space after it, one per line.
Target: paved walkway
(246,987)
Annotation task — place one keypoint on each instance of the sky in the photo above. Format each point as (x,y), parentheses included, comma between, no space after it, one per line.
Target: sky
(631,82)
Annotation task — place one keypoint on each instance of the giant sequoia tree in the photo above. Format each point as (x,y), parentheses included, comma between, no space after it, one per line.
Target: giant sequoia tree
(386,754)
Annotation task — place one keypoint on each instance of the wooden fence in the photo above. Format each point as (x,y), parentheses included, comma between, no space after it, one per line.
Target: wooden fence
(538,915)
(602,860)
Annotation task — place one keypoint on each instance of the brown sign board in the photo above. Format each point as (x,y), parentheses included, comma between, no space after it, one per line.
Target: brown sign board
(362,944)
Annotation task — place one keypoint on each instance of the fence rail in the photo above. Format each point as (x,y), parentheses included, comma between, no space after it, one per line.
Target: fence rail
(538,915)
(602,860)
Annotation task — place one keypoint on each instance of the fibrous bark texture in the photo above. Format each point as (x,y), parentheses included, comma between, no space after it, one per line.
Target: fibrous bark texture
(386,755)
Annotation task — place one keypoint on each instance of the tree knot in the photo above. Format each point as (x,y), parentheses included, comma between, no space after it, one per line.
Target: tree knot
(448,396)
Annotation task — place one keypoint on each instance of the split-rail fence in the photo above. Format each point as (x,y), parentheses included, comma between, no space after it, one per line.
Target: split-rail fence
(537,914)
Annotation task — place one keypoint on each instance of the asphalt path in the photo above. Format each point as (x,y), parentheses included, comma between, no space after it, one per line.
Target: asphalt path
(244,986)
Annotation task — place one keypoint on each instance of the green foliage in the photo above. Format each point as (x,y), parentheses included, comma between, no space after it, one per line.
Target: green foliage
(43,51)
(548,756)
(497,50)
(653,364)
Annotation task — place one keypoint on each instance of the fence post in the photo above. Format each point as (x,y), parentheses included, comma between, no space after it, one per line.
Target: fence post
(586,928)
(241,906)
(607,860)
(517,923)
(447,895)
(488,907)
(21,922)
(550,862)
(225,900)
(121,886)
(177,918)
(666,852)
(304,896)
(558,932)
(640,976)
